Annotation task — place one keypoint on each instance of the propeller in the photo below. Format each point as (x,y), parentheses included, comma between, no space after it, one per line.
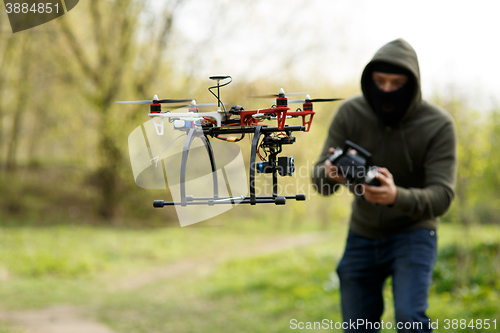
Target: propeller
(309,100)
(193,105)
(281,94)
(155,101)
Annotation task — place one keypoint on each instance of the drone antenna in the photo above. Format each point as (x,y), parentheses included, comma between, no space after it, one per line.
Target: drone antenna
(218,78)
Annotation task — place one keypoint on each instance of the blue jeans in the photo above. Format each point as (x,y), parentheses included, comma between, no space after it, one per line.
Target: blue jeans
(409,257)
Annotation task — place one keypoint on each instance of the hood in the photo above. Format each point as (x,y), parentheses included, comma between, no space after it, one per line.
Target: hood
(397,52)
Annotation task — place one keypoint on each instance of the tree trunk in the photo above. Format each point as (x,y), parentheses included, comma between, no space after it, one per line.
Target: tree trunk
(22,100)
(110,161)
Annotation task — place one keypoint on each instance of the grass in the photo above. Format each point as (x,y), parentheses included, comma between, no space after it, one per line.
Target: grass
(53,260)
(6,329)
(242,295)
(238,293)
(265,293)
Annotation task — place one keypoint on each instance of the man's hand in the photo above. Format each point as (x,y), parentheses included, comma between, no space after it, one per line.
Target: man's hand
(332,171)
(385,194)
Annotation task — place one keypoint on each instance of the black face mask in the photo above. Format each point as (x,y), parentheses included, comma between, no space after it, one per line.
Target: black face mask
(391,107)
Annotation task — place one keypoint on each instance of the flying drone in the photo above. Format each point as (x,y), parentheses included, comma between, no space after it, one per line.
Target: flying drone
(221,123)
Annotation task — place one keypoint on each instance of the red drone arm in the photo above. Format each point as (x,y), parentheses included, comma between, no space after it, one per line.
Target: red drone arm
(307,111)
(246,116)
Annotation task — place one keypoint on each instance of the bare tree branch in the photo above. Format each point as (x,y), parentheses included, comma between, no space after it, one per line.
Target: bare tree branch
(9,45)
(77,50)
(160,44)
(100,38)
(22,92)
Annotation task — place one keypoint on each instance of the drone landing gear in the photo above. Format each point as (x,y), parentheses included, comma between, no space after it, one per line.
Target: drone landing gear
(274,146)
(280,200)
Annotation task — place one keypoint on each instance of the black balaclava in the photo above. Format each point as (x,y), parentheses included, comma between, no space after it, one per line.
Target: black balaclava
(390,107)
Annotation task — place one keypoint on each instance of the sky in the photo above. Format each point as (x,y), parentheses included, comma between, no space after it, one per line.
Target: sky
(457,42)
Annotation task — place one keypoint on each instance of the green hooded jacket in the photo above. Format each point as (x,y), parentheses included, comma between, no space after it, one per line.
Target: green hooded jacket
(420,152)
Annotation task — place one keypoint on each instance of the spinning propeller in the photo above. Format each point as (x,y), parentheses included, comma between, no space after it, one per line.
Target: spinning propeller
(309,100)
(281,94)
(193,107)
(156,101)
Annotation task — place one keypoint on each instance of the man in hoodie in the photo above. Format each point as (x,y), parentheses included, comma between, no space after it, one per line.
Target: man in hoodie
(392,226)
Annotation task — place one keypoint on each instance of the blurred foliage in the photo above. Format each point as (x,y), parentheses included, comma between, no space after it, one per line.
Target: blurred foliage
(483,266)
(478,179)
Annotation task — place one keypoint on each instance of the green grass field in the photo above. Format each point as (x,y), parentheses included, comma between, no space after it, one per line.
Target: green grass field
(246,277)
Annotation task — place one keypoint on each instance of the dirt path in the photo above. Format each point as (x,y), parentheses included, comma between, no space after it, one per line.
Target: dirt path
(206,265)
(69,319)
(57,319)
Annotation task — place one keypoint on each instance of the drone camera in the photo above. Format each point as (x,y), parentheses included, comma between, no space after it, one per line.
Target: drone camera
(265,167)
(286,166)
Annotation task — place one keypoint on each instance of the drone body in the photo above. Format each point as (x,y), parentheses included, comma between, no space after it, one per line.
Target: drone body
(220,123)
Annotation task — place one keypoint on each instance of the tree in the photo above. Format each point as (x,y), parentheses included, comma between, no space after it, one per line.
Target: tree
(114,40)
(7,44)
